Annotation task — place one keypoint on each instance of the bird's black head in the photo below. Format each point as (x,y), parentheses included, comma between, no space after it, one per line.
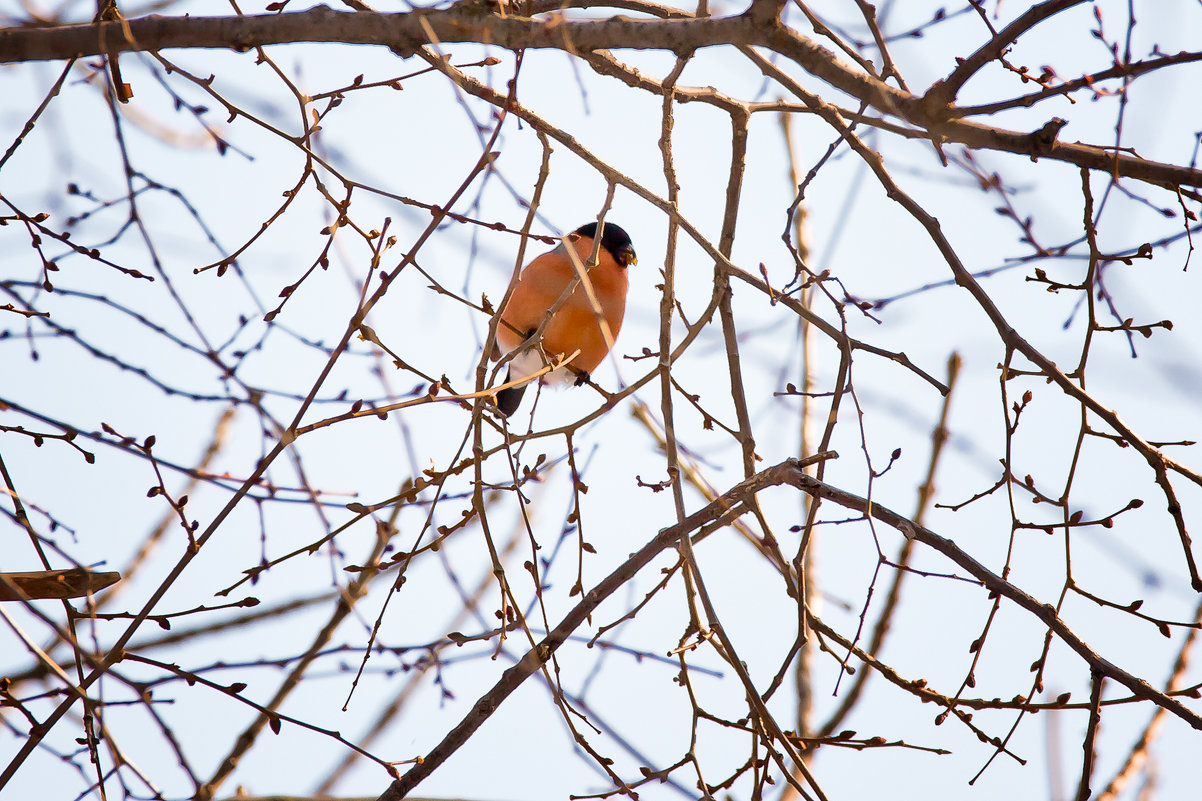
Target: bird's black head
(613,239)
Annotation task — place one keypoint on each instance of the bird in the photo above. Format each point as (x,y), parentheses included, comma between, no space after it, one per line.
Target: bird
(575,326)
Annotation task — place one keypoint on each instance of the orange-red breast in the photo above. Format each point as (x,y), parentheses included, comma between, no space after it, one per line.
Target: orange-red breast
(575,326)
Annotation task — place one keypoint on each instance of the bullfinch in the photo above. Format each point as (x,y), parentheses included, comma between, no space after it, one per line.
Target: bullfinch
(575,326)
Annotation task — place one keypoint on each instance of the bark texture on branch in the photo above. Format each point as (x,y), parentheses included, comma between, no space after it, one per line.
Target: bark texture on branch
(406,32)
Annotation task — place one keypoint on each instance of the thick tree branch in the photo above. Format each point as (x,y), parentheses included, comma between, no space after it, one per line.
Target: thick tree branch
(402,32)
(405,32)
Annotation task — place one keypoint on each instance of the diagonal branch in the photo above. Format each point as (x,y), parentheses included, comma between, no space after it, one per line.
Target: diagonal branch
(719,511)
(943,93)
(996,584)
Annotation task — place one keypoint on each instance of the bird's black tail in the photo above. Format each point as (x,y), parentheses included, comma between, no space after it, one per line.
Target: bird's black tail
(508,400)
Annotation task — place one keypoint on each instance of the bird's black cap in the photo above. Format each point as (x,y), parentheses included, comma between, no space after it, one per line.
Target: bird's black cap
(614,239)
